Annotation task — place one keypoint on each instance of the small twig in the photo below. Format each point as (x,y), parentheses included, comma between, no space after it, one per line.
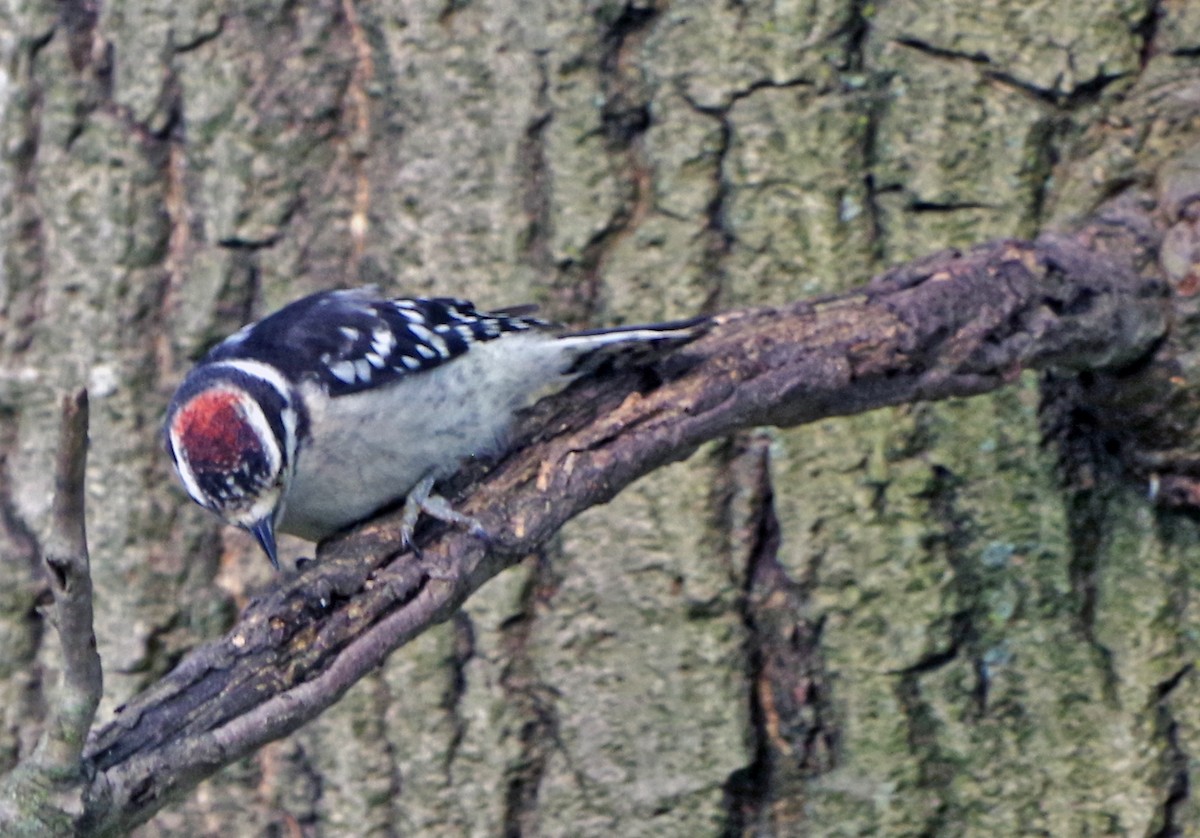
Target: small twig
(66,560)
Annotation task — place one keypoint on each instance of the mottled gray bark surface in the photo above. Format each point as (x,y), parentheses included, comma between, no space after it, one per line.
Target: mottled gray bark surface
(979,650)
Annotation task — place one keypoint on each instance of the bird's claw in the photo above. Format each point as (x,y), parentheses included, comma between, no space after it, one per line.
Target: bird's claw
(422,499)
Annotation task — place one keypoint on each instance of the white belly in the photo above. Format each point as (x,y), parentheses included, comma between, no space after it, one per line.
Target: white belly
(369,449)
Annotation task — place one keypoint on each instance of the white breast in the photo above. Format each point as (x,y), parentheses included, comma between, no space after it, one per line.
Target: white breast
(368,449)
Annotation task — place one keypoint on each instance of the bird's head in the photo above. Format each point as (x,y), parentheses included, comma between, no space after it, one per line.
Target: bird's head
(229,456)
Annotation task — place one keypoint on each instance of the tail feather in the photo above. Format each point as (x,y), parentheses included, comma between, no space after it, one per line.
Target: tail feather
(627,346)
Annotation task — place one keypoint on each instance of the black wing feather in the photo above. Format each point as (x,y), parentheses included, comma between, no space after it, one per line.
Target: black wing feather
(353,340)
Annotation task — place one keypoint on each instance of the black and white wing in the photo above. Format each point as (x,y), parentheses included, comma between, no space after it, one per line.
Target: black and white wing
(353,340)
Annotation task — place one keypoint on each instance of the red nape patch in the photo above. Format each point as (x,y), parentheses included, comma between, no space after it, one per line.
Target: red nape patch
(214,431)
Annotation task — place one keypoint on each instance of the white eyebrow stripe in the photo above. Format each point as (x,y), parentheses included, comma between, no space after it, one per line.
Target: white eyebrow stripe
(184,468)
(261,371)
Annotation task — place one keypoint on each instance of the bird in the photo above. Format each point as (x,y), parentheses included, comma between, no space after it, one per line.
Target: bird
(345,402)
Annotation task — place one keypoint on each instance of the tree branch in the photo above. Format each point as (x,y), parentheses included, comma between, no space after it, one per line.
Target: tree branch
(41,796)
(66,561)
(951,325)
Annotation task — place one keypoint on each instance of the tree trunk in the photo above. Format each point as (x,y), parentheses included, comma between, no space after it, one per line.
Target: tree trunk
(914,621)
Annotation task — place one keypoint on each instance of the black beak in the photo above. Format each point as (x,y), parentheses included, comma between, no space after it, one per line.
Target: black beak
(264,531)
